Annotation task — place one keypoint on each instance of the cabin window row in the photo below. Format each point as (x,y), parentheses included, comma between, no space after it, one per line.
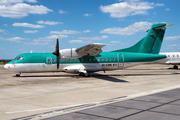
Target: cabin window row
(173,56)
(89,60)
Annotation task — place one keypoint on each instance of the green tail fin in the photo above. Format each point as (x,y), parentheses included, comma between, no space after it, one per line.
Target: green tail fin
(151,43)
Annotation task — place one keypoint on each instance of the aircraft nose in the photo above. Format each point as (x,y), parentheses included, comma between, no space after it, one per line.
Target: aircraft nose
(6,66)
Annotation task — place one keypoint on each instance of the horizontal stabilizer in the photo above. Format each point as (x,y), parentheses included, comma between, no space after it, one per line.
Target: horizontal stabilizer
(162,27)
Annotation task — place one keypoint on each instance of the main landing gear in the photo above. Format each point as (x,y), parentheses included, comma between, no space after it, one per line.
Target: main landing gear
(84,74)
(175,67)
(18,74)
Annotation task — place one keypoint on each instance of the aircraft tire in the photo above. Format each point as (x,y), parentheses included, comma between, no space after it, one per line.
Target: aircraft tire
(84,74)
(17,75)
(81,74)
(175,67)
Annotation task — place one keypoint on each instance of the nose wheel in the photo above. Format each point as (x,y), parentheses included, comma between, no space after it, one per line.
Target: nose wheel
(18,74)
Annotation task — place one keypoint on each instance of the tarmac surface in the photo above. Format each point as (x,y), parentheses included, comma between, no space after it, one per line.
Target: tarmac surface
(159,106)
(148,91)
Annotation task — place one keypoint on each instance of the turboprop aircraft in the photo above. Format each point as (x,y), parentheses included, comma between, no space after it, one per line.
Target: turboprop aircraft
(172,58)
(90,58)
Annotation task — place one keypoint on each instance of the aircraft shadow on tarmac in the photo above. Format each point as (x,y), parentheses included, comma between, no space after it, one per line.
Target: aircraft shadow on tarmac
(99,76)
(108,78)
(96,75)
(176,73)
(126,75)
(111,77)
(153,69)
(45,76)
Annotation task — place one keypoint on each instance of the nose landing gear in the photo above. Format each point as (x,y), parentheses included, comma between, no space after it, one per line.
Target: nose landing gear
(18,74)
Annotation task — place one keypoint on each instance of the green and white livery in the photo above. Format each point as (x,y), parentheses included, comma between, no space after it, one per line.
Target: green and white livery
(90,58)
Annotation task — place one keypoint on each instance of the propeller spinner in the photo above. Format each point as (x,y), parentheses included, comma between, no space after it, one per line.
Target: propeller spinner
(56,52)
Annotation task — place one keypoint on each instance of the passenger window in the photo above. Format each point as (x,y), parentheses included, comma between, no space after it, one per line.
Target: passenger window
(98,59)
(102,59)
(90,59)
(94,59)
(177,55)
(86,59)
(61,60)
(173,55)
(105,59)
(113,59)
(69,60)
(77,60)
(109,59)
(168,55)
(73,60)
(82,60)
(65,60)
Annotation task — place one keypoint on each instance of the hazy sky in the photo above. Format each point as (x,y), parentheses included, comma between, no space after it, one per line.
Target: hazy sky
(27,25)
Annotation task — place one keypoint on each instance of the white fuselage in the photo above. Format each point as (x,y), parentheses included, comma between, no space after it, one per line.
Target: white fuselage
(173,58)
(42,67)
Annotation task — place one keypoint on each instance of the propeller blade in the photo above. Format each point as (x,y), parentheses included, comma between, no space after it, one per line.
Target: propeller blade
(56,52)
(57,63)
(57,46)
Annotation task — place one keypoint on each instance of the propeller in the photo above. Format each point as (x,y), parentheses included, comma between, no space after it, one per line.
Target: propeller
(56,52)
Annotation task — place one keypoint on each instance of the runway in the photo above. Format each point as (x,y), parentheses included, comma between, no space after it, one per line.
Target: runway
(34,94)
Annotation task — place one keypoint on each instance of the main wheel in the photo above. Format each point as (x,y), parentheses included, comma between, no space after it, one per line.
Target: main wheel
(84,74)
(175,67)
(81,74)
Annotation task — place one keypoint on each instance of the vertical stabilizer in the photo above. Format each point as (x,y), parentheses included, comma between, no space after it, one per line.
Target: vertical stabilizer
(151,43)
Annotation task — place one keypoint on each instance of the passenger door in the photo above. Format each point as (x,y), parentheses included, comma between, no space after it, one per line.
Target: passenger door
(120,58)
(49,60)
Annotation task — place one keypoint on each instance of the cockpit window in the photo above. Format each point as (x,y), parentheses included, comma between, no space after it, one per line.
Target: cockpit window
(19,58)
(22,58)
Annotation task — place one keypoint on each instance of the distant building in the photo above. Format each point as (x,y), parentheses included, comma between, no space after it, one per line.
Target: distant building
(5,60)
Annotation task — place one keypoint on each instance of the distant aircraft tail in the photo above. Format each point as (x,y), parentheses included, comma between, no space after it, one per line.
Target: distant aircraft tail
(151,43)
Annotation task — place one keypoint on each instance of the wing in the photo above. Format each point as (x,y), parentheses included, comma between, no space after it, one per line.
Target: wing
(91,49)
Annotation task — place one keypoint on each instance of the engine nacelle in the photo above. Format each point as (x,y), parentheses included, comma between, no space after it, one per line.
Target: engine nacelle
(69,53)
